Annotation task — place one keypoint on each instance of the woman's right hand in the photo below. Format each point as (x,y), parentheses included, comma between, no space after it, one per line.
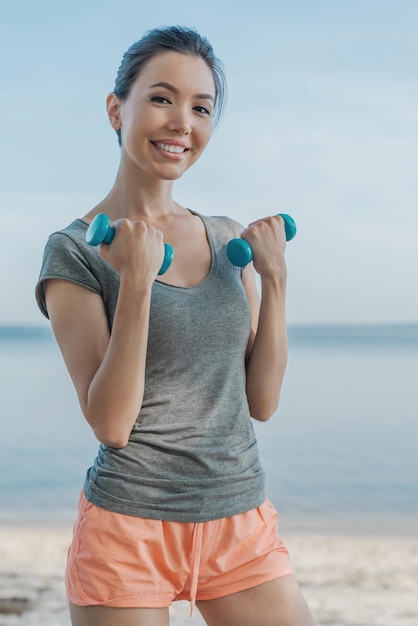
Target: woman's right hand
(137,250)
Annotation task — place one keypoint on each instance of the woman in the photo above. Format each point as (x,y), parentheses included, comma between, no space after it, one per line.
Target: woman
(169,370)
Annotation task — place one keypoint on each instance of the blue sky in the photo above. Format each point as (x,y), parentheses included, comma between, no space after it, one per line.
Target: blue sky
(321,123)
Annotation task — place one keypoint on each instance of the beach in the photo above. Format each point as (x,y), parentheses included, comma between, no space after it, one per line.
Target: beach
(347,580)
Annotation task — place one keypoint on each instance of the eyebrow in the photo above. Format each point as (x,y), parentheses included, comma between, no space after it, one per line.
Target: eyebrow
(174,90)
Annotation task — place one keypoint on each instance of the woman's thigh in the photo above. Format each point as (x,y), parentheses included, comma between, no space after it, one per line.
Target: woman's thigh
(109,616)
(276,603)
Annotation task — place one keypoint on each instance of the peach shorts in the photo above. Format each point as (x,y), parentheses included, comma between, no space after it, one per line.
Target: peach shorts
(123,561)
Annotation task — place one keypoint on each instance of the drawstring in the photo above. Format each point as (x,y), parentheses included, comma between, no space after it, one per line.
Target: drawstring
(195,562)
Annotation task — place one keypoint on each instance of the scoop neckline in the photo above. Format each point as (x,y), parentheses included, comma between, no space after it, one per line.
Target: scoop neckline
(211,271)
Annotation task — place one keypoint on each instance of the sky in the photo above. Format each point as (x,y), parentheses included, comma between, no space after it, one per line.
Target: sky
(321,123)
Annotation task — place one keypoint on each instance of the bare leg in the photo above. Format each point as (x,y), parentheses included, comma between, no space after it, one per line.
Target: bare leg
(108,616)
(276,603)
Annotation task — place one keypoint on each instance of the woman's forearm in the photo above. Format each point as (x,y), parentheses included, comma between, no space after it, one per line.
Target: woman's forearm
(266,363)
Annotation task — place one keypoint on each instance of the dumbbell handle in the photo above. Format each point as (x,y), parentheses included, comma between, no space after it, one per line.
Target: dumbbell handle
(100,231)
(239,251)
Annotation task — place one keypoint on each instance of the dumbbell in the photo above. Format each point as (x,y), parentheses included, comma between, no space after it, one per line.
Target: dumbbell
(100,231)
(239,250)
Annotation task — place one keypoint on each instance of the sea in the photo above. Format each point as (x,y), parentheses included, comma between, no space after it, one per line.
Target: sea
(340,454)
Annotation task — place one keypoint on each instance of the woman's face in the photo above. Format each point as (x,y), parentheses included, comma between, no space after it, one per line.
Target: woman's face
(166,120)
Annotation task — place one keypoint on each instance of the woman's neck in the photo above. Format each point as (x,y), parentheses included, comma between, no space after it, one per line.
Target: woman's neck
(138,197)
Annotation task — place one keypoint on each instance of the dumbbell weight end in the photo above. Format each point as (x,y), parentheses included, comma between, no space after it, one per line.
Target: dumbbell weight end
(168,258)
(100,230)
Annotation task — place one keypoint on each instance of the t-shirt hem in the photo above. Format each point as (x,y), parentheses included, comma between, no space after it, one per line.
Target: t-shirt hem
(178,516)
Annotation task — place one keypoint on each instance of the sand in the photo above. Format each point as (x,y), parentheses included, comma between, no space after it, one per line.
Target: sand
(348,581)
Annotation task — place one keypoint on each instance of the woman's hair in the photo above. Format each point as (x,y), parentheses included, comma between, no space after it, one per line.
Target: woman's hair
(170,39)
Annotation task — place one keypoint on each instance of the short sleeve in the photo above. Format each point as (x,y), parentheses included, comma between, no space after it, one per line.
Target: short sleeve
(63,258)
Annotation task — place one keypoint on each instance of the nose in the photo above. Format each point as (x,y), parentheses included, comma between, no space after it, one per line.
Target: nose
(180,122)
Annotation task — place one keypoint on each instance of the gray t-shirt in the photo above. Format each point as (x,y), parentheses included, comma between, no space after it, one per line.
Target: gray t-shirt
(192,455)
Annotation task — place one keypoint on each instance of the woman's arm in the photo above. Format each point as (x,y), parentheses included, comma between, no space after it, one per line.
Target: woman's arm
(267,348)
(108,370)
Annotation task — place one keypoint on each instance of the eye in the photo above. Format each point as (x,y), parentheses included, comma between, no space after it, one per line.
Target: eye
(160,100)
(202,109)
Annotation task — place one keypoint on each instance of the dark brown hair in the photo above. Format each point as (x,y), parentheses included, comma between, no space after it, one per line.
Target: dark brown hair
(166,39)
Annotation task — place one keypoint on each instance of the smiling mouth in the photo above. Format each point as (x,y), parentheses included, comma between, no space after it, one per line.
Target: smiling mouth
(170,148)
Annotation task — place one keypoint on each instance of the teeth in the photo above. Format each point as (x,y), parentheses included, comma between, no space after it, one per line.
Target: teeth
(170,148)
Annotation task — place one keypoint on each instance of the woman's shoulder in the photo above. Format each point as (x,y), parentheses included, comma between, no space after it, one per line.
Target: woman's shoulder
(71,240)
(75,231)
(223,224)
(68,256)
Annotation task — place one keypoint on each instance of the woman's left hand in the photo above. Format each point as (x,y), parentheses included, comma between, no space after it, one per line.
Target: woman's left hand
(267,239)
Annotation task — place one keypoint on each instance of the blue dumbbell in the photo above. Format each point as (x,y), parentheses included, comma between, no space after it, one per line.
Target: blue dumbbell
(100,231)
(239,250)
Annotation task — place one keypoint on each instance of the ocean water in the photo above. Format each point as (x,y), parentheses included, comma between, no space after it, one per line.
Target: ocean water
(341,453)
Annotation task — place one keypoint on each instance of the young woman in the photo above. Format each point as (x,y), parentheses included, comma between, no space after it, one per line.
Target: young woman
(170,369)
